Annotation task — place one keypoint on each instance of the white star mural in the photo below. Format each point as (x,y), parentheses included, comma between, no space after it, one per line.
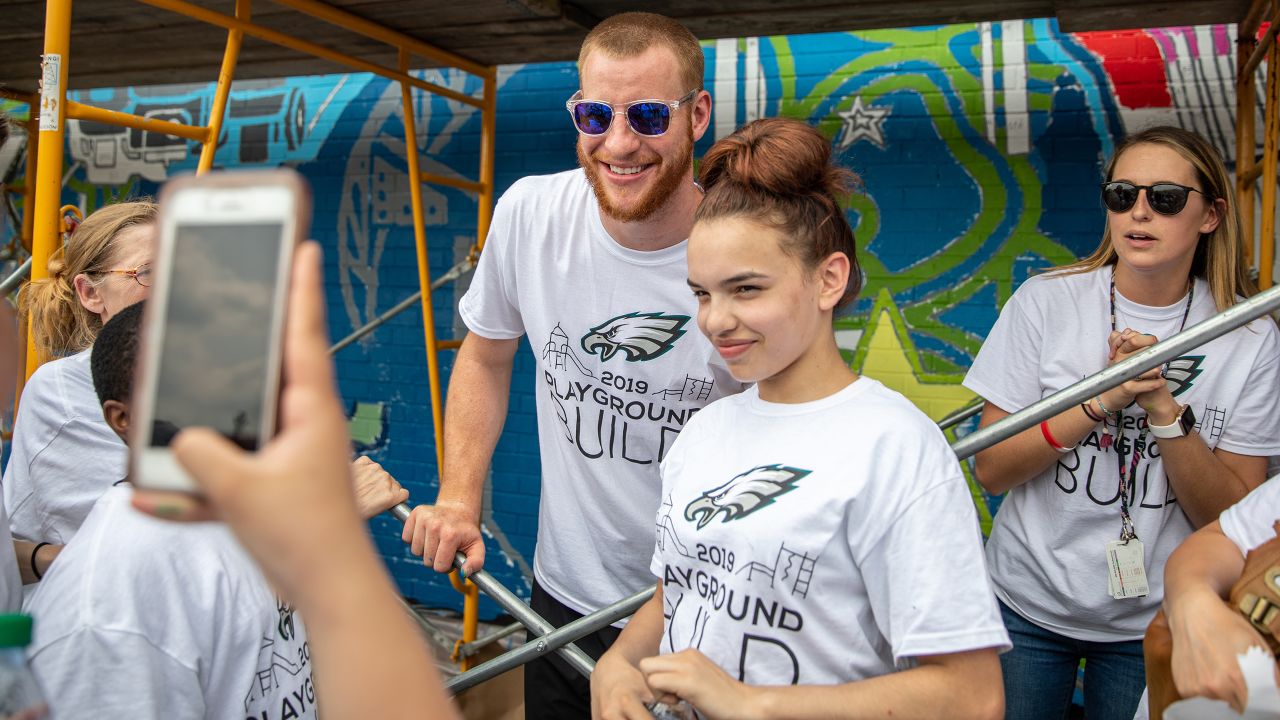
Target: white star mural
(862,122)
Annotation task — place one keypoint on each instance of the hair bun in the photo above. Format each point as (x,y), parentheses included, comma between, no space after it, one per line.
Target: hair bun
(777,156)
(57,265)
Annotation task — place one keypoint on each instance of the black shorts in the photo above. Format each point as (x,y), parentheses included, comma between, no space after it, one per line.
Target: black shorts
(552,689)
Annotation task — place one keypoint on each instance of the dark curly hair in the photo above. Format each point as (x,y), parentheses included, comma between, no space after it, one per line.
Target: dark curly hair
(115,353)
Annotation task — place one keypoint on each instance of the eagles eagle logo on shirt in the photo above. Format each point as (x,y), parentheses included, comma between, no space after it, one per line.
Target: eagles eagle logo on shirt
(744,494)
(1181,373)
(639,336)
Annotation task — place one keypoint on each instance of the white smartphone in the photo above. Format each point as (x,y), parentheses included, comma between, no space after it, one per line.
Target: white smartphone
(213,328)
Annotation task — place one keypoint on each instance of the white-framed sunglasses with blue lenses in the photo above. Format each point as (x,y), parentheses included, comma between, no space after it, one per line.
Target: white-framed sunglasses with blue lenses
(649,118)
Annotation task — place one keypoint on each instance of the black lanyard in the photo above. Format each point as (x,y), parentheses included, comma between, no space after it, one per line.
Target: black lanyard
(1140,444)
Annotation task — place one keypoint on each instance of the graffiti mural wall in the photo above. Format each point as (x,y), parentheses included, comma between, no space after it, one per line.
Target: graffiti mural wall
(980,148)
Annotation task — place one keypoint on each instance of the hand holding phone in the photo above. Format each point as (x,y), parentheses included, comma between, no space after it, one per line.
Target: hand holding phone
(214,325)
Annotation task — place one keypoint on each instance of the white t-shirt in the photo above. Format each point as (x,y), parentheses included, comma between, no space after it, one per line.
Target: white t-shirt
(64,454)
(142,618)
(10,579)
(1047,547)
(621,367)
(820,542)
(1251,522)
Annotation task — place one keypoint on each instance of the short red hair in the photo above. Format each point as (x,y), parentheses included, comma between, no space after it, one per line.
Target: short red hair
(629,34)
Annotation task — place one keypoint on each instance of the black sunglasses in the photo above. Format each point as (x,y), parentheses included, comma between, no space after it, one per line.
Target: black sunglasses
(650,118)
(1165,198)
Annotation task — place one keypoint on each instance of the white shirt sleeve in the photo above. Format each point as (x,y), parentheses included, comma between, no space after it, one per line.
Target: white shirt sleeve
(926,576)
(107,675)
(10,580)
(1250,522)
(1253,429)
(491,306)
(1006,371)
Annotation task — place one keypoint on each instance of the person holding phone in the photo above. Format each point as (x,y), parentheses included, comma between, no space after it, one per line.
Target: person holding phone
(815,532)
(144,618)
(590,266)
(370,659)
(1101,494)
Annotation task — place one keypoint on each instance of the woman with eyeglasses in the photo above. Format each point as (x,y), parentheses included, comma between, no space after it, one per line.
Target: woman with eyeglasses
(1101,494)
(63,454)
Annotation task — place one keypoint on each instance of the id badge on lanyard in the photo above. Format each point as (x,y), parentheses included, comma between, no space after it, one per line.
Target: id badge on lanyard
(1126,576)
(1126,572)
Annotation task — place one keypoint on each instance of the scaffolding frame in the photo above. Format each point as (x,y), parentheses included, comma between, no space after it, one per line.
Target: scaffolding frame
(52,109)
(1250,52)
(41,225)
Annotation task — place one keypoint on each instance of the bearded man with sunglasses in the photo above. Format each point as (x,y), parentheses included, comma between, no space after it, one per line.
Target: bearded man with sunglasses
(590,265)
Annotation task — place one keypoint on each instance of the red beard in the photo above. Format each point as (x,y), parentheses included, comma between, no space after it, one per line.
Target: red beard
(670,176)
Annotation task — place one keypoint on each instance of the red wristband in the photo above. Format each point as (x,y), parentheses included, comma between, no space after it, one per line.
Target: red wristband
(1048,436)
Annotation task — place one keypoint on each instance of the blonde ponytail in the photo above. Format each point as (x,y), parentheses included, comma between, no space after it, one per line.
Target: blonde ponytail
(59,324)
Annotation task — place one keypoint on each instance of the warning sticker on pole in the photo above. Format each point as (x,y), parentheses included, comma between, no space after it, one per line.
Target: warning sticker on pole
(50,91)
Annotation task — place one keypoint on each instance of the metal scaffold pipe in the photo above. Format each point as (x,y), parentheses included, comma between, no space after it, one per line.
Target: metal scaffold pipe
(551,641)
(1241,314)
(12,282)
(536,624)
(960,415)
(454,273)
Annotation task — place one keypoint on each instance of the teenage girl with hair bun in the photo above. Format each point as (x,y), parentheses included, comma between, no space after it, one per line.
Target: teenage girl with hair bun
(815,532)
(1121,480)
(64,456)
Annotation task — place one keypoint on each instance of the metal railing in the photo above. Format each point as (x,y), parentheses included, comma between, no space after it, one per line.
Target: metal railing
(12,282)
(959,416)
(454,273)
(561,639)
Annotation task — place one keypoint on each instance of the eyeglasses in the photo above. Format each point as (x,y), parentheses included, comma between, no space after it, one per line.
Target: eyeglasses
(141,274)
(1164,198)
(650,118)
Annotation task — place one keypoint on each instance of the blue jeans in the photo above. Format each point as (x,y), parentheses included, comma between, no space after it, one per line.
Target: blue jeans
(1040,674)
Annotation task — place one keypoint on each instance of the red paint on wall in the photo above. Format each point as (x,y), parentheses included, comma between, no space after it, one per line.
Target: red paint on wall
(1133,62)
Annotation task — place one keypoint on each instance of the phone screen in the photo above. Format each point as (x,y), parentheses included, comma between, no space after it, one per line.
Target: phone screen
(213,358)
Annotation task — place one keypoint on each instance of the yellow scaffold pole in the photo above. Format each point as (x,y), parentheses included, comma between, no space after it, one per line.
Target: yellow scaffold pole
(1271,145)
(1246,96)
(48,180)
(223,90)
(470,608)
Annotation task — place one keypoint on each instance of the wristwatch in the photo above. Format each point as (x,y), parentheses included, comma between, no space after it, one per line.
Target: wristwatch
(1182,425)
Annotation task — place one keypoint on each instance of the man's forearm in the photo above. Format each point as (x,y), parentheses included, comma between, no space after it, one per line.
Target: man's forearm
(474,416)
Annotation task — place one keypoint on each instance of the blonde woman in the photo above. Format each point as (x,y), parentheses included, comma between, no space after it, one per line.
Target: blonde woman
(1124,478)
(64,455)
